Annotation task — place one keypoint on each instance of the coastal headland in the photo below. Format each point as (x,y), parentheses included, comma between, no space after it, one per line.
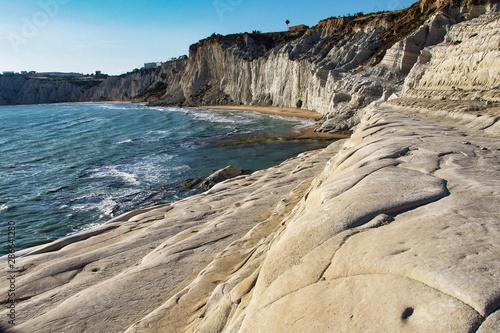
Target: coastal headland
(392,229)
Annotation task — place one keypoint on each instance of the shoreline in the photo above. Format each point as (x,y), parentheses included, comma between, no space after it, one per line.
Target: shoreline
(271,110)
(309,133)
(303,133)
(295,134)
(295,213)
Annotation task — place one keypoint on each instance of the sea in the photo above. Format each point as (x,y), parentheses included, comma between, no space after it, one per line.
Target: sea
(66,168)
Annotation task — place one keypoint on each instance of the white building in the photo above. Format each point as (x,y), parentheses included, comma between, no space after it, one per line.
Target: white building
(152,65)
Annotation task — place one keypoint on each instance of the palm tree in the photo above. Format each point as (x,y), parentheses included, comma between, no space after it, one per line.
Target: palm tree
(287,23)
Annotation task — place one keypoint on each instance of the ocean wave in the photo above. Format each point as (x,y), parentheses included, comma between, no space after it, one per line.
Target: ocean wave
(72,124)
(154,169)
(113,172)
(5,207)
(85,227)
(220,117)
(125,141)
(169,109)
(124,106)
(304,123)
(56,189)
(104,205)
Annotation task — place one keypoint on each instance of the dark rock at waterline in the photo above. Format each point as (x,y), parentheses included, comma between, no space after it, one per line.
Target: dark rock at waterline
(220,176)
(190,184)
(143,199)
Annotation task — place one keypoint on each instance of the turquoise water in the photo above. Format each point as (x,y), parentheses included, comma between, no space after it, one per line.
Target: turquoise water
(68,167)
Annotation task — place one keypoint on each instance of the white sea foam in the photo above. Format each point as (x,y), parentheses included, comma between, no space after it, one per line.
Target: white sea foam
(304,123)
(112,171)
(154,168)
(115,106)
(105,206)
(86,227)
(221,117)
(169,109)
(4,207)
(125,141)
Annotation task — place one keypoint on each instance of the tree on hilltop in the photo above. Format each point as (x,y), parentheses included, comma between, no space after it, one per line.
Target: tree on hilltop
(287,23)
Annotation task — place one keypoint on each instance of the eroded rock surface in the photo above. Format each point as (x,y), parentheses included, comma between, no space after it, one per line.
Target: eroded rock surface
(126,269)
(465,66)
(395,229)
(219,176)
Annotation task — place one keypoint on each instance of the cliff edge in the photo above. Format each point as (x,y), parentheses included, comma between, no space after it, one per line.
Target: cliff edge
(335,68)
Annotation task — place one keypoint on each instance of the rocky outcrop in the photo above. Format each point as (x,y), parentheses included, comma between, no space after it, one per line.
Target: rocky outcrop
(21,89)
(142,85)
(394,230)
(220,176)
(403,55)
(464,66)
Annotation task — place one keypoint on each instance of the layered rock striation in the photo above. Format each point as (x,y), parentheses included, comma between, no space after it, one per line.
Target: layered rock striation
(464,66)
(334,68)
(21,89)
(144,85)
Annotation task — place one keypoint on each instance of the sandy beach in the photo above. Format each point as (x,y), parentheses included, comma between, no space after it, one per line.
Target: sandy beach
(305,133)
(273,110)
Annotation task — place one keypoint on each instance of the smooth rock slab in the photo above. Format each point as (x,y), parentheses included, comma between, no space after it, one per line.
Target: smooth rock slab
(365,303)
(219,176)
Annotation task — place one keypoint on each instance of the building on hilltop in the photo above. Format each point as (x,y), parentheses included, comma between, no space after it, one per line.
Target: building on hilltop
(152,65)
(100,75)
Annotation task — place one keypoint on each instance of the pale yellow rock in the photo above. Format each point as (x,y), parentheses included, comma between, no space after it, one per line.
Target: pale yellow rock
(392,230)
(465,66)
(449,244)
(491,324)
(393,304)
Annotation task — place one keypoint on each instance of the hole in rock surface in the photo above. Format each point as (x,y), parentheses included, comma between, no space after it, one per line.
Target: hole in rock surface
(407,313)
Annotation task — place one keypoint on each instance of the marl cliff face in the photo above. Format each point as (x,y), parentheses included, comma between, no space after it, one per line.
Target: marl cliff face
(334,68)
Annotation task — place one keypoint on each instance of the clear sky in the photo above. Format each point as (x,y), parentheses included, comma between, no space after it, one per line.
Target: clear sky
(116,36)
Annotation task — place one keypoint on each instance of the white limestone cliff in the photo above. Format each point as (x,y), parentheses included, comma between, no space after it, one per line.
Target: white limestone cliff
(19,89)
(140,85)
(335,68)
(464,66)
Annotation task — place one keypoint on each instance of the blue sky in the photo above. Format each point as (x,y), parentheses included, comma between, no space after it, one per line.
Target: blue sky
(116,36)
